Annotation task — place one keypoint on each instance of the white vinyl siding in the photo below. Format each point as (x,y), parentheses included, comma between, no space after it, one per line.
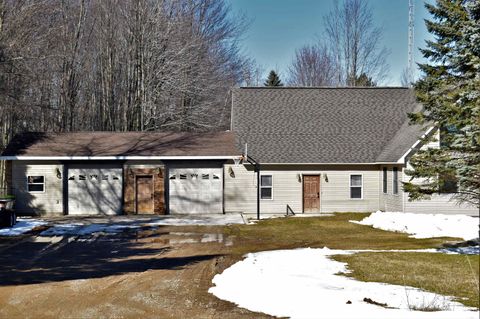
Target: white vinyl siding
(50,200)
(438,203)
(241,188)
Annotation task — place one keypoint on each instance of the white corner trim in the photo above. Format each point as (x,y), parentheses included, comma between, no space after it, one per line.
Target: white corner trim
(404,156)
(103,158)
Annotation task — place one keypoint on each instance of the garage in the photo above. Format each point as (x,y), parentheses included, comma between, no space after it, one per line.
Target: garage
(95,189)
(196,190)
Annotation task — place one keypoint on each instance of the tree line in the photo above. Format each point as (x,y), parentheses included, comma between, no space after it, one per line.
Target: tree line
(117,65)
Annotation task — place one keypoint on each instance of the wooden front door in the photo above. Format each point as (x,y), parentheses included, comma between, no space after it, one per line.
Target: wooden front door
(144,194)
(311,193)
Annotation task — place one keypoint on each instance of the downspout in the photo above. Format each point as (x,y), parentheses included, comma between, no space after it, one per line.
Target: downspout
(257,168)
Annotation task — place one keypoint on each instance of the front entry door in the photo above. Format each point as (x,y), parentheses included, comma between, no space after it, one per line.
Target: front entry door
(311,193)
(144,194)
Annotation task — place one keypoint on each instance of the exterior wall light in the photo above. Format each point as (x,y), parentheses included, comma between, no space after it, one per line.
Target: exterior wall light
(58,173)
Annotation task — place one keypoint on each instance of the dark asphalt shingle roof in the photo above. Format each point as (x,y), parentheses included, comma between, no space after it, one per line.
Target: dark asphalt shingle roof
(122,144)
(324,125)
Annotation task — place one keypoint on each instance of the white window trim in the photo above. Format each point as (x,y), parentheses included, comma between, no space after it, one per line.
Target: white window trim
(44,184)
(260,192)
(385,180)
(393,182)
(350,187)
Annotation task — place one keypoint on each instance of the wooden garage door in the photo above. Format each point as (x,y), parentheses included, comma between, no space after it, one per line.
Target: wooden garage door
(94,191)
(196,191)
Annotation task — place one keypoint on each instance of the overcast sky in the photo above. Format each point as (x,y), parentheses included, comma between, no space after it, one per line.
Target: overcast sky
(278,27)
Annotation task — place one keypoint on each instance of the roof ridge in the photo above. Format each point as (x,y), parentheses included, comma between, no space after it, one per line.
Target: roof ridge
(325,87)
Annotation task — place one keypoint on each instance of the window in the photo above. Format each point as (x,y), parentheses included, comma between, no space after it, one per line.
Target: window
(395,180)
(385,187)
(36,184)
(266,187)
(448,183)
(356,186)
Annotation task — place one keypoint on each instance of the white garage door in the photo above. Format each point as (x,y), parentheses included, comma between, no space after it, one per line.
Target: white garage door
(94,191)
(196,190)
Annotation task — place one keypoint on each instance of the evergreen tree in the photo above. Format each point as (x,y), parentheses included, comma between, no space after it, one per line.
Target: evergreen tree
(450,93)
(361,80)
(273,79)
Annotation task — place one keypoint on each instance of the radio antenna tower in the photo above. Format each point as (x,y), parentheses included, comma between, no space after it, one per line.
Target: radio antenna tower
(411,27)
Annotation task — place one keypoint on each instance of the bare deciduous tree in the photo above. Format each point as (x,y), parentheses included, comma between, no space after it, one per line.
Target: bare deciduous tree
(117,65)
(312,66)
(355,42)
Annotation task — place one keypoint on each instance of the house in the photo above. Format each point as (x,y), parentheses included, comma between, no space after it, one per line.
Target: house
(319,150)
(327,150)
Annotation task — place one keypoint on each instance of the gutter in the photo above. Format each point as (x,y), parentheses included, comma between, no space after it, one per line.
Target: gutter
(66,158)
(374,163)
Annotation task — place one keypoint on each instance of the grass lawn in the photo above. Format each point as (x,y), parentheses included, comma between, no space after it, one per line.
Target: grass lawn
(334,232)
(451,275)
(455,275)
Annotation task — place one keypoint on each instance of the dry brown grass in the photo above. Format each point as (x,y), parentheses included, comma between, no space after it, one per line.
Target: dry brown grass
(335,232)
(451,275)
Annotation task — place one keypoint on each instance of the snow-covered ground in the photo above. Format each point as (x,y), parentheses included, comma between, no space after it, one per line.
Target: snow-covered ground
(468,250)
(83,228)
(77,229)
(424,225)
(22,226)
(302,283)
(201,220)
(122,223)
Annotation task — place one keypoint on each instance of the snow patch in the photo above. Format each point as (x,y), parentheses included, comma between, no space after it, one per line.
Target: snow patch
(22,226)
(302,283)
(467,250)
(202,220)
(81,229)
(77,229)
(424,225)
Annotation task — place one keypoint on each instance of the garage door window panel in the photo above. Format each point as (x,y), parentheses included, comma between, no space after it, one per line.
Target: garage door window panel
(36,184)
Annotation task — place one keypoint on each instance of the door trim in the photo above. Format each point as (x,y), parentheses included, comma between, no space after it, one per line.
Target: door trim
(319,190)
(153,192)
